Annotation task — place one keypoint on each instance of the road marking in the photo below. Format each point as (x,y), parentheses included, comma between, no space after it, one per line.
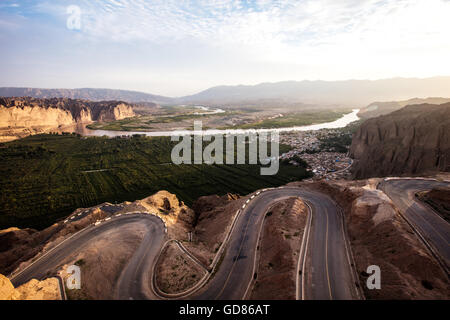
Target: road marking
(427,207)
(238,255)
(428,223)
(235,260)
(326,261)
(411,220)
(44,254)
(304,251)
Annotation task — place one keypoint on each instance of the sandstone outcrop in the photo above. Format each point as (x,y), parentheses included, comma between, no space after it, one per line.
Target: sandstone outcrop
(412,140)
(7,291)
(171,210)
(47,289)
(24,116)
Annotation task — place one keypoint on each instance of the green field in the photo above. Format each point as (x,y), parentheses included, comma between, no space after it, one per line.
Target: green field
(45,177)
(295,119)
(172,114)
(145,123)
(178,115)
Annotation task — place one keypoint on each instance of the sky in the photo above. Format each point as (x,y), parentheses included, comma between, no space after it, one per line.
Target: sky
(181,47)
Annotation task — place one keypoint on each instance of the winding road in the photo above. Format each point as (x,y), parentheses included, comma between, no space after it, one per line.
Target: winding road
(431,228)
(133,280)
(330,272)
(327,268)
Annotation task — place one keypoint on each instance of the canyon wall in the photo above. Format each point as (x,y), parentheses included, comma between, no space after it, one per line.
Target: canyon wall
(412,140)
(23,116)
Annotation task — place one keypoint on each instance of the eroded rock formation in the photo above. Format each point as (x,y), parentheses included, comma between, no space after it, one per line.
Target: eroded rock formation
(47,289)
(24,116)
(412,140)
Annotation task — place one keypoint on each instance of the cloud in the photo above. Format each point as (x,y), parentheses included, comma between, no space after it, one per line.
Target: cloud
(264,26)
(235,41)
(268,23)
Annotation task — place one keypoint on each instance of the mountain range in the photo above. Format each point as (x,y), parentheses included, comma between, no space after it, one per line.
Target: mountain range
(91,94)
(355,93)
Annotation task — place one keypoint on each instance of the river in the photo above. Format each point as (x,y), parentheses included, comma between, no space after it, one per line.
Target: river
(339,123)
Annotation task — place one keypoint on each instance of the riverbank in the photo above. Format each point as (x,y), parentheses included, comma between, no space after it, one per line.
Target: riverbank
(339,123)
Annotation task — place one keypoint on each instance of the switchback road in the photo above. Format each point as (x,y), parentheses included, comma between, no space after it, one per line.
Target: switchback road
(133,282)
(432,228)
(329,275)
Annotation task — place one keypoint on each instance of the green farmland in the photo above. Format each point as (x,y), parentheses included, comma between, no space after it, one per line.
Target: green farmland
(295,119)
(45,177)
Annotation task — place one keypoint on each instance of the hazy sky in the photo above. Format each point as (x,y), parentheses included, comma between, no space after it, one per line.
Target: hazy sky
(178,47)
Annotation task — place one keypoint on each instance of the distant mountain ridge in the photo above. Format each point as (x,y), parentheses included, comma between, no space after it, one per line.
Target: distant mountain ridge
(376,109)
(85,94)
(355,93)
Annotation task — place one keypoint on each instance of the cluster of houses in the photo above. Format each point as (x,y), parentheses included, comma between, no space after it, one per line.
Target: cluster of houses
(323,164)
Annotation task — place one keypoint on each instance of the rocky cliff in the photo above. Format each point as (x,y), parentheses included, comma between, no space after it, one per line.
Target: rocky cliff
(25,115)
(412,140)
(47,289)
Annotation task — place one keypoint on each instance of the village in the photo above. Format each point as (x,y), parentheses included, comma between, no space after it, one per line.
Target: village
(322,162)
